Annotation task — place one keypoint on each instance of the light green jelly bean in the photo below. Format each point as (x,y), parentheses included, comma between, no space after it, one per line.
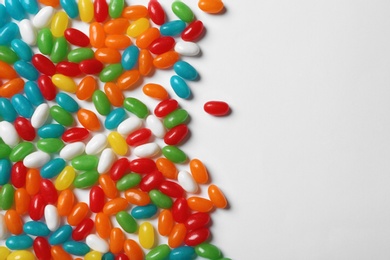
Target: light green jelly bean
(182,11)
(115,8)
(136,107)
(128,181)
(45,41)
(62,116)
(86,179)
(174,154)
(6,196)
(85,162)
(160,199)
(101,102)
(177,117)
(126,221)
(5,151)
(8,55)
(160,252)
(80,54)
(60,50)
(111,72)
(208,251)
(50,145)
(20,151)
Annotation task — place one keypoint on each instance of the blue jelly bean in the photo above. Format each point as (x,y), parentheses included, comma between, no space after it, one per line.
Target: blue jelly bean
(185,70)
(51,131)
(108,256)
(22,105)
(183,252)
(26,70)
(61,235)
(7,110)
(33,93)
(180,87)
(19,242)
(67,102)
(130,57)
(30,6)
(9,32)
(4,17)
(70,7)
(5,171)
(172,28)
(52,168)
(76,248)
(114,118)
(22,49)
(36,228)
(143,212)
(15,9)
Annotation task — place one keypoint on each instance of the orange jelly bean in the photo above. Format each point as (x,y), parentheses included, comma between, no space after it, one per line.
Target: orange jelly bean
(58,253)
(133,250)
(78,213)
(108,186)
(155,91)
(200,204)
(177,235)
(165,222)
(134,12)
(145,62)
(137,197)
(86,87)
(115,205)
(53,3)
(108,55)
(103,225)
(116,26)
(22,201)
(11,87)
(97,35)
(14,222)
(147,37)
(117,41)
(65,202)
(167,168)
(216,196)
(88,119)
(114,94)
(33,180)
(7,71)
(199,171)
(211,6)
(166,60)
(117,239)
(128,79)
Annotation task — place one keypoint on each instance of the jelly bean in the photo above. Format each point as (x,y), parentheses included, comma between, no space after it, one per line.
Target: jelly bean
(37,207)
(177,235)
(5,171)
(91,66)
(144,212)
(216,108)
(180,210)
(26,70)
(187,48)
(129,57)
(33,93)
(8,133)
(171,189)
(36,159)
(156,12)
(50,145)
(70,7)
(145,62)
(43,64)
(117,41)
(182,11)
(86,179)
(199,171)
(28,32)
(195,237)
(75,134)
(186,180)
(8,55)
(80,54)
(13,222)
(19,242)
(136,107)
(108,186)
(174,154)
(180,87)
(126,221)
(4,15)
(64,83)
(83,229)
(117,143)
(6,71)
(165,222)
(122,256)
(65,202)
(137,27)
(175,118)
(85,162)
(139,137)
(96,243)
(100,10)
(76,248)
(107,158)
(21,254)
(24,129)
(147,37)
(61,235)
(88,119)
(156,126)
(96,199)
(14,9)
(167,168)
(86,10)
(101,102)
(33,179)
(162,45)
(5,151)
(166,59)
(67,102)
(108,256)
(59,50)
(43,17)
(96,34)
(114,118)
(48,191)
(86,88)
(9,32)
(103,225)
(134,12)
(115,8)
(117,238)
(182,252)
(160,200)
(59,254)
(116,26)
(59,23)
(151,181)
(22,49)
(96,144)
(111,72)
(176,134)
(129,125)
(51,131)
(45,41)
(211,6)
(7,110)
(35,228)
(185,70)
(52,217)
(142,165)
(193,31)
(18,174)
(155,91)
(200,204)
(52,168)
(30,6)
(66,68)
(146,235)
(128,181)
(172,28)
(208,251)
(114,206)
(41,248)
(22,105)
(216,196)
(78,213)
(47,87)
(159,252)
(22,201)
(128,79)
(137,197)
(93,255)
(114,94)
(197,220)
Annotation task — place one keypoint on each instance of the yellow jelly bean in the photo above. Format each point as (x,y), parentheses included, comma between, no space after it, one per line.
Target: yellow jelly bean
(59,23)
(137,27)
(65,178)
(117,143)
(146,235)
(93,255)
(85,10)
(21,255)
(64,83)
(4,252)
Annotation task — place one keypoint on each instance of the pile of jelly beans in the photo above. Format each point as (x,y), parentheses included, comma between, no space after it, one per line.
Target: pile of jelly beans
(52,149)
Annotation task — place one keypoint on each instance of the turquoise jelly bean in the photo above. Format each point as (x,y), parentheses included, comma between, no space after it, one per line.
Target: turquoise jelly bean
(130,57)
(70,7)
(143,212)
(8,32)
(108,256)
(114,118)
(7,110)
(30,6)
(33,93)
(172,28)
(22,49)
(185,70)
(22,105)
(76,248)
(26,70)
(15,9)
(36,228)
(19,242)
(5,171)
(61,235)
(51,131)
(183,252)
(67,102)
(180,87)
(52,168)
(4,17)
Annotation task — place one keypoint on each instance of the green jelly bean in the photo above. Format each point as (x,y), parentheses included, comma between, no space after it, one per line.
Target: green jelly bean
(5,151)
(224,258)
(160,252)
(177,117)
(182,11)
(80,54)
(6,196)
(86,179)
(62,116)
(111,72)
(101,102)
(50,145)
(126,221)
(45,41)
(160,199)
(8,55)
(20,151)
(60,50)
(136,107)
(116,8)
(174,154)
(85,162)
(128,181)
(208,251)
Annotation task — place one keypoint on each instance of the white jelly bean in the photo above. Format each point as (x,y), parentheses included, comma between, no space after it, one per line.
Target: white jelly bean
(3,227)
(107,159)
(72,150)
(36,159)
(148,150)
(43,17)
(52,217)
(96,144)
(129,125)
(186,180)
(28,32)
(187,48)
(8,133)
(156,126)
(96,243)
(40,115)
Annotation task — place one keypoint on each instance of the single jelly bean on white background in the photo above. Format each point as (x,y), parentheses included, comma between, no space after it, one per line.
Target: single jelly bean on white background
(40,115)
(148,150)
(129,125)
(36,159)
(8,133)
(96,144)
(187,48)
(43,17)
(72,150)
(96,243)
(186,180)
(52,217)
(28,32)
(156,126)
(107,159)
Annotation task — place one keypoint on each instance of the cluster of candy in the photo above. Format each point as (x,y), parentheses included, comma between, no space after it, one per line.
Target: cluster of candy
(47,155)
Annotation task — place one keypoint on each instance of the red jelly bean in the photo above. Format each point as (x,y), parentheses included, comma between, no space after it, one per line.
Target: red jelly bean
(83,229)
(197,220)
(48,191)
(91,66)
(176,134)
(180,210)
(121,256)
(18,174)
(96,199)
(67,68)
(24,128)
(142,165)
(151,181)
(138,137)
(119,169)
(42,248)
(193,31)
(43,64)
(216,108)
(100,10)
(47,87)
(172,189)
(195,237)
(37,207)
(76,37)
(165,107)
(156,12)
(161,45)
(75,134)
